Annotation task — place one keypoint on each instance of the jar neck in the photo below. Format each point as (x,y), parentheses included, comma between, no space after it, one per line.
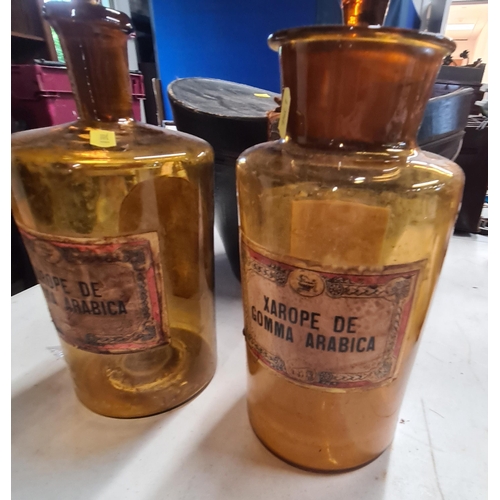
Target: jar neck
(364,12)
(357,87)
(94,42)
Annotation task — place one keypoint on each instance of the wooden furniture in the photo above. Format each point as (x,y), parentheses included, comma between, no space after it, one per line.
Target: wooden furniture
(31,37)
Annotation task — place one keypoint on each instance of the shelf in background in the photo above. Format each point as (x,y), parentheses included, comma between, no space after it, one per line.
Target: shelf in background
(25,36)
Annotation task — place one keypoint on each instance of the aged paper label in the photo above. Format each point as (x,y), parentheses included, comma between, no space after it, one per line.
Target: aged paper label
(104,295)
(285,110)
(332,330)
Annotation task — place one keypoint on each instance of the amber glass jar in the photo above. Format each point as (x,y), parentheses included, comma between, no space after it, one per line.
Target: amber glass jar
(117,217)
(344,228)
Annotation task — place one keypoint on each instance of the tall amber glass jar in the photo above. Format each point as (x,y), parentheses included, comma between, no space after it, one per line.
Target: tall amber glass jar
(344,228)
(117,218)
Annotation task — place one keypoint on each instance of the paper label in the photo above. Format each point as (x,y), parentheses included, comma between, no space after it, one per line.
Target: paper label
(102,138)
(285,108)
(104,295)
(324,329)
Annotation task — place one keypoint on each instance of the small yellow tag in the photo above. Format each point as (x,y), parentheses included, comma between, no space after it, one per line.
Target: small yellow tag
(262,95)
(285,108)
(102,138)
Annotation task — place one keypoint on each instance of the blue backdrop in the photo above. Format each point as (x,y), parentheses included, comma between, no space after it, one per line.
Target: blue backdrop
(227,39)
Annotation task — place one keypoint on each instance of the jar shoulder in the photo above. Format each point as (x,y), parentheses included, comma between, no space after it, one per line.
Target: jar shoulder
(135,143)
(285,162)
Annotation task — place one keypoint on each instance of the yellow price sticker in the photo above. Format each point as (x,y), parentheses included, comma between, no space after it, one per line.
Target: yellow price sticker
(285,108)
(102,138)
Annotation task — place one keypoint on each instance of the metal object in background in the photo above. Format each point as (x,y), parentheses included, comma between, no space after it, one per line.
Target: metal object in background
(473,159)
(483,221)
(148,70)
(445,119)
(160,110)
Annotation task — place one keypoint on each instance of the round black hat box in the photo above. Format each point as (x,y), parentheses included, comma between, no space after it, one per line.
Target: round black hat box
(231,117)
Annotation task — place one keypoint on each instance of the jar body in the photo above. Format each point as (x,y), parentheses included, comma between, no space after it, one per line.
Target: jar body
(325,219)
(89,204)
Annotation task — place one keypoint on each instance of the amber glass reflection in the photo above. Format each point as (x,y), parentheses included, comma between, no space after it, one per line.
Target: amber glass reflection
(357,99)
(364,12)
(152,181)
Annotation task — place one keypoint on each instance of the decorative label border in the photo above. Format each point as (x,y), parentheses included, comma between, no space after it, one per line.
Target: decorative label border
(396,284)
(136,252)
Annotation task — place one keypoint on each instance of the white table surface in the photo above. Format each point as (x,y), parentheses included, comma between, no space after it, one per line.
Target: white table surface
(206,449)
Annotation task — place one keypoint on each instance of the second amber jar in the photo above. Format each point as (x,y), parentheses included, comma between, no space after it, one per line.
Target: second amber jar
(117,217)
(344,228)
